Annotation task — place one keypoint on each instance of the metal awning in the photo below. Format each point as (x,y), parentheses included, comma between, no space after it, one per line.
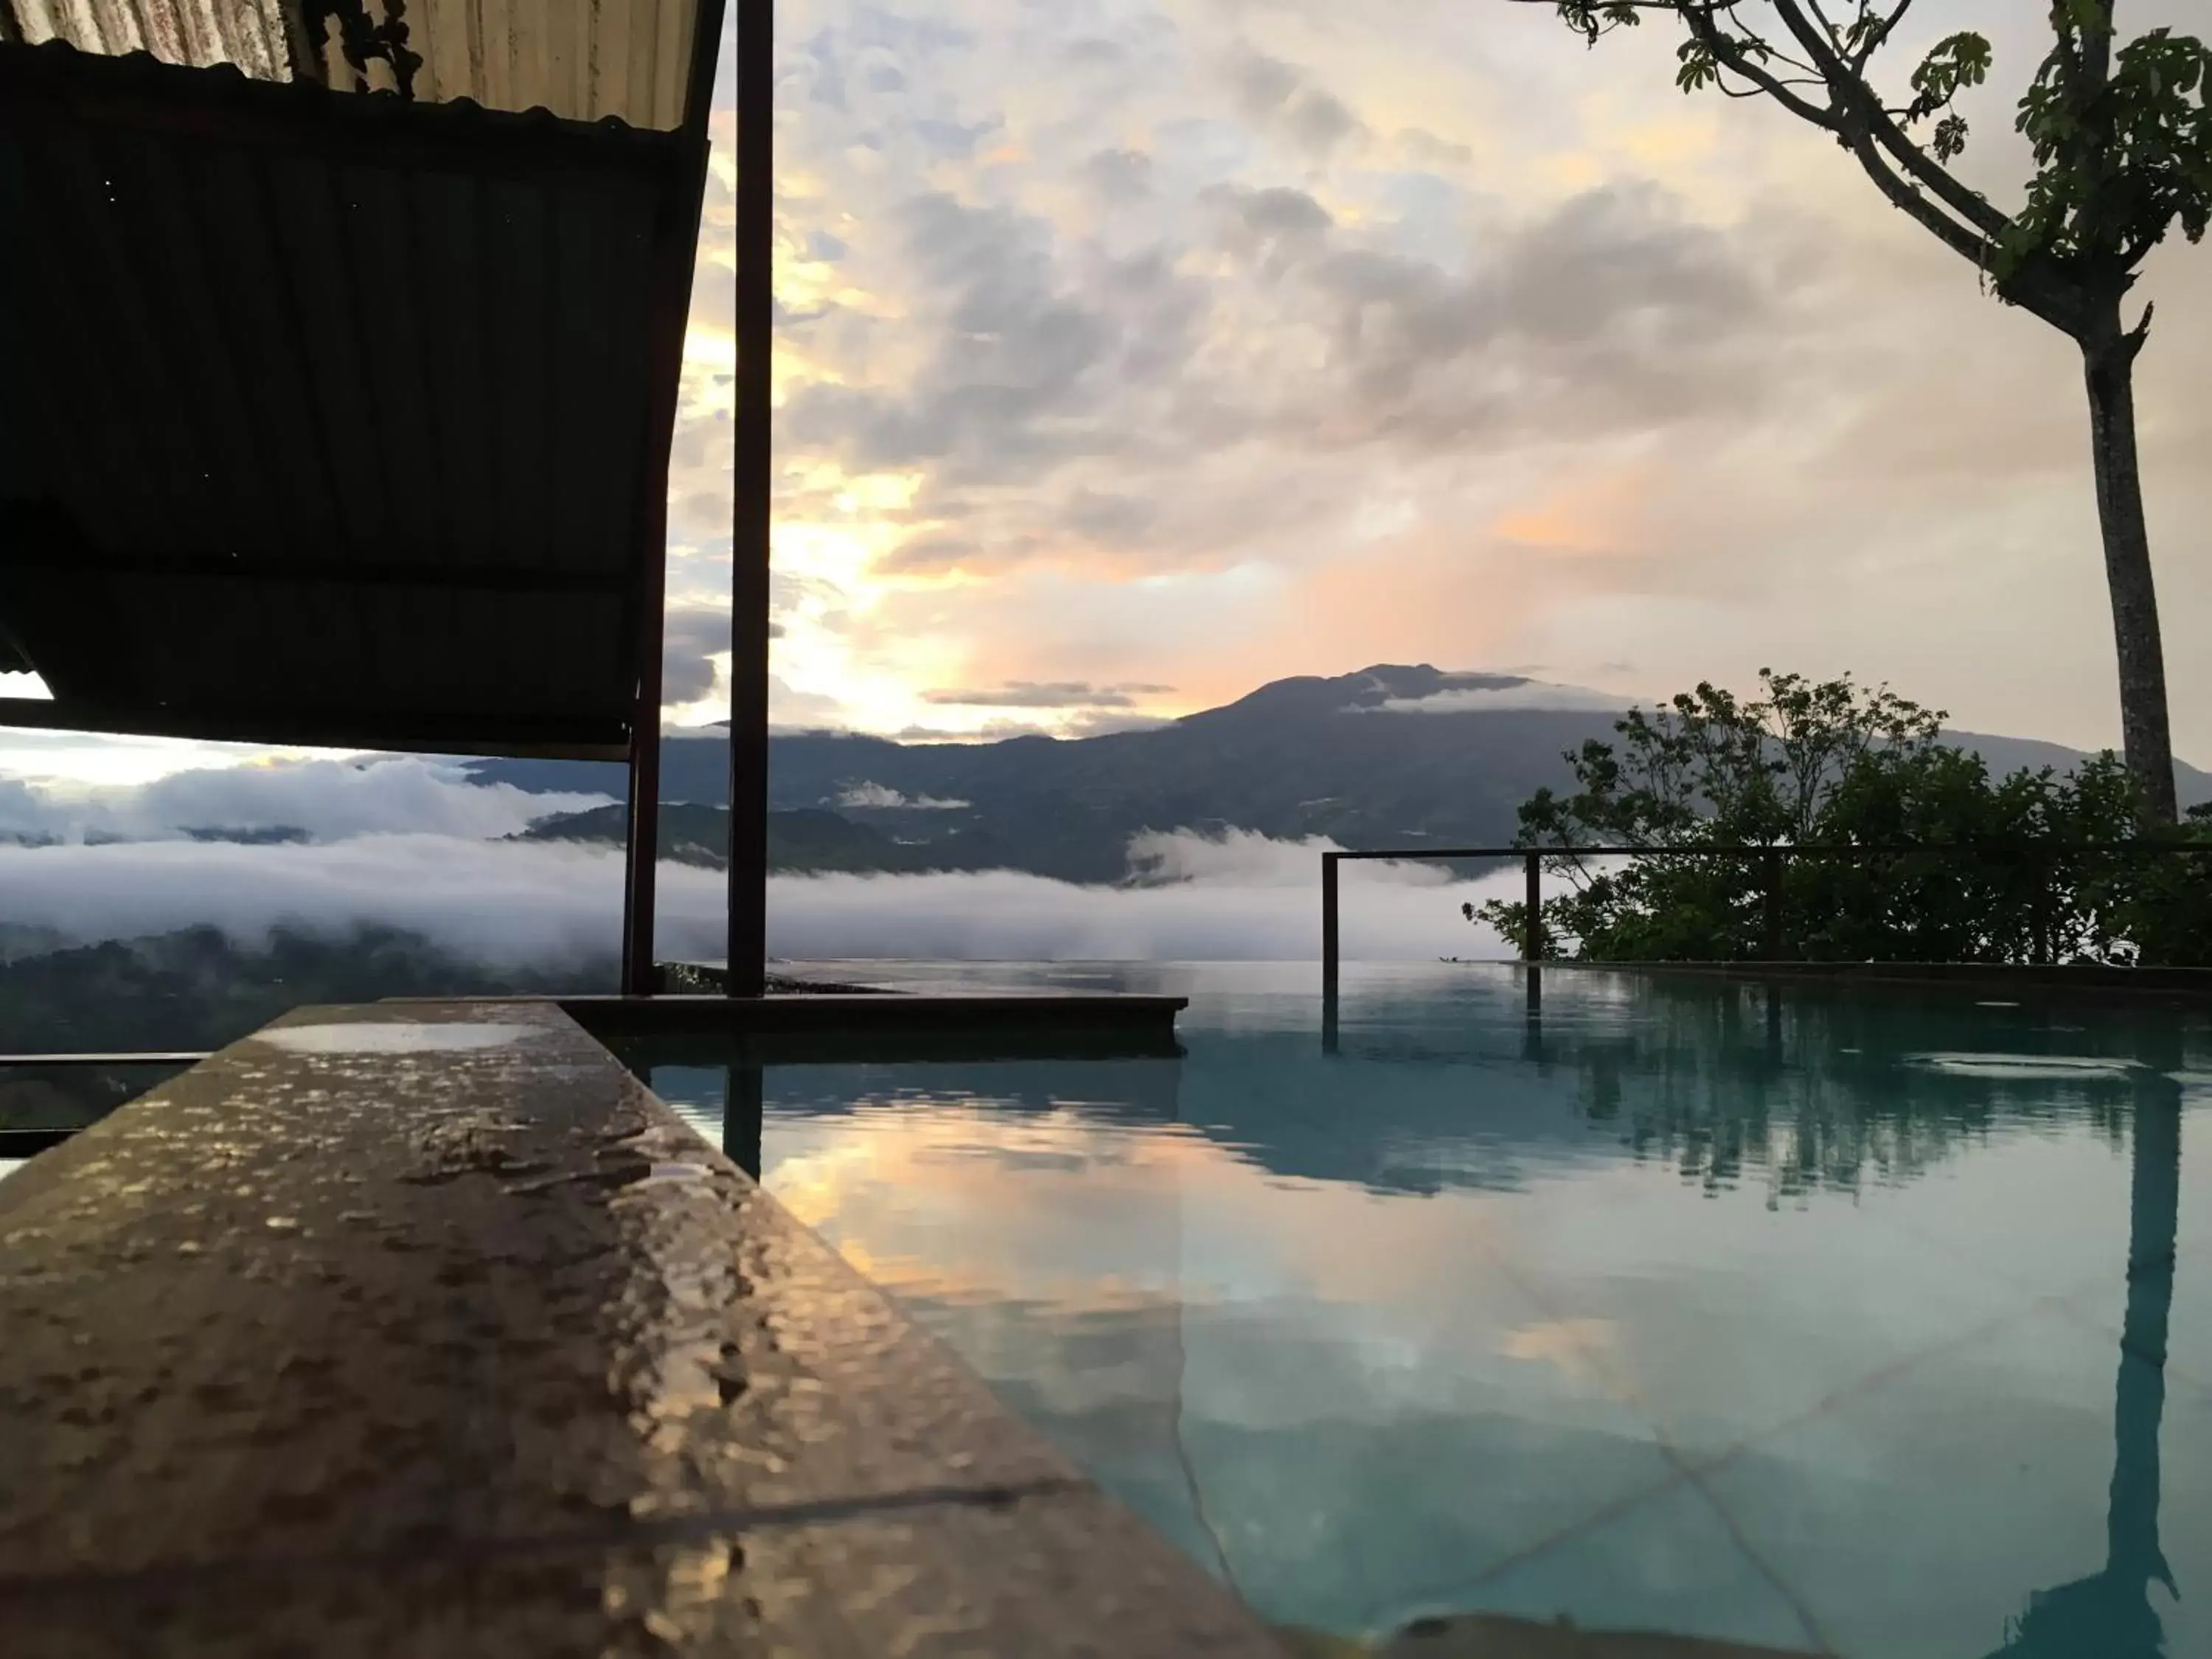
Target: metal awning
(342,344)
(336,403)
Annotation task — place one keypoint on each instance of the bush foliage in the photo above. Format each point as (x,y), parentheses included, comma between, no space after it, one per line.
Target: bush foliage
(1913,852)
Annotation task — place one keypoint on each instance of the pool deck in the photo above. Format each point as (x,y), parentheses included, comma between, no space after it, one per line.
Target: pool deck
(424,1328)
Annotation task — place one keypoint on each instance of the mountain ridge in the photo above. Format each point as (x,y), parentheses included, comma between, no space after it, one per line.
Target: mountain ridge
(1392,755)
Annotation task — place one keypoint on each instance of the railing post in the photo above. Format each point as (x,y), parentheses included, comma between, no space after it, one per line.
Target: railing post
(752,476)
(1328,952)
(741,1113)
(1532,940)
(641,974)
(2041,875)
(1329,924)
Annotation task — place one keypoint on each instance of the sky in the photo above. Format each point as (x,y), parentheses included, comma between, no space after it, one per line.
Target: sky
(1133,353)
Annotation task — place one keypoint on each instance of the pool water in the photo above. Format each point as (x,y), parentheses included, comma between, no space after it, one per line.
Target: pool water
(1801,1321)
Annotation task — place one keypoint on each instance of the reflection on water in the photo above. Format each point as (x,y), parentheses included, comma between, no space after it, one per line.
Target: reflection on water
(1790,1321)
(2111,1612)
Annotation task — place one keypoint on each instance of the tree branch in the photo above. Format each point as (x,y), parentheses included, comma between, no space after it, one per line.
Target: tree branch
(1961,239)
(1875,37)
(2056,306)
(1855,103)
(2096,56)
(1725,51)
(1834,39)
(2136,336)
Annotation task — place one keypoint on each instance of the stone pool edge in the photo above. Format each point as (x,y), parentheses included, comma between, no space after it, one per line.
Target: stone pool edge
(459,1348)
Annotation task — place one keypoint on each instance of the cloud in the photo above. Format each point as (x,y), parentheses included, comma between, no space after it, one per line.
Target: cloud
(326,800)
(1055,694)
(1246,899)
(1108,519)
(876,797)
(1472,700)
(1271,93)
(790,709)
(1615,311)
(1018,353)
(507,902)
(1176,322)
(692,636)
(1254,220)
(1119,176)
(990,732)
(1240,898)
(926,555)
(1104,722)
(1425,149)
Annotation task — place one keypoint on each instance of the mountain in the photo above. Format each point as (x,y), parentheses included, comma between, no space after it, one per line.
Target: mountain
(200,988)
(1307,756)
(2005,756)
(1393,756)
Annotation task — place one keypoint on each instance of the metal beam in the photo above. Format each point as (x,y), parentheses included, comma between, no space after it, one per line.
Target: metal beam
(751,492)
(130,1057)
(678,255)
(1330,913)
(507,736)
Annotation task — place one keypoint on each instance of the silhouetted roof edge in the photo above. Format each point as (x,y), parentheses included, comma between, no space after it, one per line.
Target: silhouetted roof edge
(54,78)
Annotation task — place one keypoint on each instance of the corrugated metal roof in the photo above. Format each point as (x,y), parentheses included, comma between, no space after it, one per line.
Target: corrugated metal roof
(585,60)
(580,59)
(250,35)
(341,409)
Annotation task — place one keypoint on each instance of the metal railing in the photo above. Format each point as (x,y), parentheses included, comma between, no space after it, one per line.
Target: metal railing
(130,1057)
(25,1141)
(1771,855)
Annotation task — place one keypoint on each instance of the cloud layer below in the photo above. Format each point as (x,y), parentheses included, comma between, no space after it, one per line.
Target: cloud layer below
(324,799)
(1243,899)
(1470,700)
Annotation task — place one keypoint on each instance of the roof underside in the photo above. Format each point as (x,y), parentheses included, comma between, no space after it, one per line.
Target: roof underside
(335,420)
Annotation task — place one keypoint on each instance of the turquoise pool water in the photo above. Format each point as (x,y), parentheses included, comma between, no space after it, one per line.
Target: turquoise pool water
(1805,1323)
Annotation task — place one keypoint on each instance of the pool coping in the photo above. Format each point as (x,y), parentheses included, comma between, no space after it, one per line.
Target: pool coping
(458,1338)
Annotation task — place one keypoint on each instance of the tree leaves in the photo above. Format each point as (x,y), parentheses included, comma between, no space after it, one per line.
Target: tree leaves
(1592,18)
(1700,68)
(1952,65)
(2122,138)
(2122,152)
(1829,763)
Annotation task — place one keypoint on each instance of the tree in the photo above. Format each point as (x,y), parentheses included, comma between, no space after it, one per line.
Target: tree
(1959,867)
(2121,137)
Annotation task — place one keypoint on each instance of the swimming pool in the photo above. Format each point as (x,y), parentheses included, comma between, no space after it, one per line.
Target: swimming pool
(1803,1321)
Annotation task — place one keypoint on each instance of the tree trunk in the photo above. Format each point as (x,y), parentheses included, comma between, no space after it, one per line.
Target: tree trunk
(2108,356)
